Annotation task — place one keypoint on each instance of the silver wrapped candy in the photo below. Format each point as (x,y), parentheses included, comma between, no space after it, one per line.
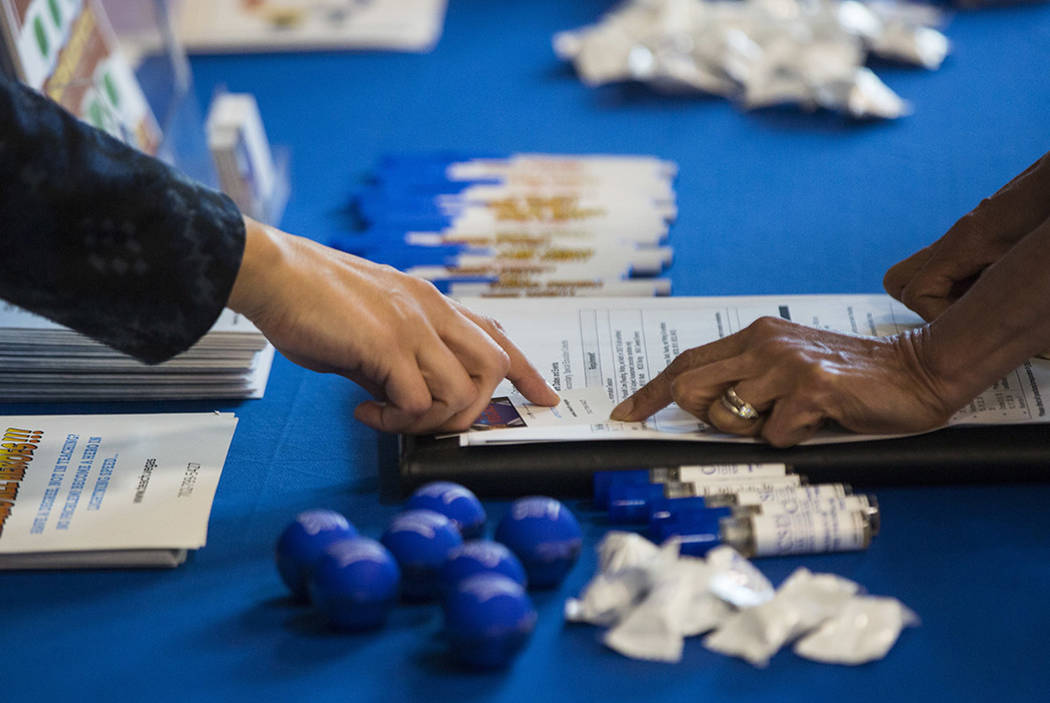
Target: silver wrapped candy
(760,52)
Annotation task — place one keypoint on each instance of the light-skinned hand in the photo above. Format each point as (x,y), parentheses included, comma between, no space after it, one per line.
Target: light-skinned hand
(429,363)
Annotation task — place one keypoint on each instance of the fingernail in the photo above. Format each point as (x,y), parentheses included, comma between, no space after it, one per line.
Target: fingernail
(623,410)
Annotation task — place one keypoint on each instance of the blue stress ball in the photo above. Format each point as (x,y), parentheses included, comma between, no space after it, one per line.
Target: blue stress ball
(420,540)
(488,620)
(302,542)
(478,557)
(355,583)
(545,537)
(454,501)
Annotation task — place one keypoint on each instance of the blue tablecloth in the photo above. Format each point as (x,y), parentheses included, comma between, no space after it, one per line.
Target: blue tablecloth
(776,201)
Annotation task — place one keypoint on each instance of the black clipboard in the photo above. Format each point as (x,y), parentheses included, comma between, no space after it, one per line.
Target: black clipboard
(983,454)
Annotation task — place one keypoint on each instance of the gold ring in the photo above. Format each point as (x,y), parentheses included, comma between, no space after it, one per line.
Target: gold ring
(738,406)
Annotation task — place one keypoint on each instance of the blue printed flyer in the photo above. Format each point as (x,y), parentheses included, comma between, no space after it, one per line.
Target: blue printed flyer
(108,490)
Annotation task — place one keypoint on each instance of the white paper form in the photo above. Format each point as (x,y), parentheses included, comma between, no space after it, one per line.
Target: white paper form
(596,352)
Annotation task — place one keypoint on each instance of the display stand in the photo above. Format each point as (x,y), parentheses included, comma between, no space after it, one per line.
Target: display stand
(148,41)
(146,38)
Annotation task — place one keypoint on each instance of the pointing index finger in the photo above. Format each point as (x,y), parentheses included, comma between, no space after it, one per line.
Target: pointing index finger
(656,394)
(521,373)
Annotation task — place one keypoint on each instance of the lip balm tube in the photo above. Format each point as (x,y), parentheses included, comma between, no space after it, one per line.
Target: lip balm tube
(799,533)
(698,531)
(631,501)
(814,493)
(718,487)
(865,504)
(686,474)
(692,473)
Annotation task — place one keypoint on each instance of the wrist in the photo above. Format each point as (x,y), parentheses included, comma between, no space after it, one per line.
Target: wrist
(953,384)
(262,254)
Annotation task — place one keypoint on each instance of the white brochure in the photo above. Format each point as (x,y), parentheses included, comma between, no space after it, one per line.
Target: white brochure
(596,352)
(108,490)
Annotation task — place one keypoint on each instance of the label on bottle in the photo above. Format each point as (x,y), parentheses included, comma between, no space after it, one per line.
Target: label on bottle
(792,505)
(717,472)
(757,485)
(819,492)
(809,533)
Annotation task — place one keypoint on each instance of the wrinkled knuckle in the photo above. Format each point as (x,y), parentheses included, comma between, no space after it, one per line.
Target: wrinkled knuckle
(415,407)
(893,282)
(414,402)
(768,346)
(486,323)
(500,363)
(496,325)
(684,361)
(985,217)
(818,376)
(687,396)
(491,367)
(765,327)
(463,396)
(402,307)
(910,295)
(426,289)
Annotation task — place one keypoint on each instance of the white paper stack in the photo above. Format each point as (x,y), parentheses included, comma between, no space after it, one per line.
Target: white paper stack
(106,491)
(42,360)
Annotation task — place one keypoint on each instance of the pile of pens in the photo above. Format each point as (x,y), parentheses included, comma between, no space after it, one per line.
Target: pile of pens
(758,509)
(522,224)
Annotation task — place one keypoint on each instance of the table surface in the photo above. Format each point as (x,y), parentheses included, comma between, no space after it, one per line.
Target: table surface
(777,201)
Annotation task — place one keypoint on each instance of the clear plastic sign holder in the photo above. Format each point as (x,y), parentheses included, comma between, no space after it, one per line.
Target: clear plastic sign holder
(148,41)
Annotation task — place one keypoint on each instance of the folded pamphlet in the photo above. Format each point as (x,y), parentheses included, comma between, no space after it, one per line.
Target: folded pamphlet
(79,491)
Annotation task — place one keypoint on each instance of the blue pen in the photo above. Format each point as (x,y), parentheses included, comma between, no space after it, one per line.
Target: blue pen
(604,479)
(698,530)
(629,502)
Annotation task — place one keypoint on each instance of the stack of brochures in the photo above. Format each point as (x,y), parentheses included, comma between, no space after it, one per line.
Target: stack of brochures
(42,360)
(523,225)
(108,490)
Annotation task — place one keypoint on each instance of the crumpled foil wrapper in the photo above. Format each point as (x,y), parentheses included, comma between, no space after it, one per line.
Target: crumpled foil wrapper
(650,598)
(761,52)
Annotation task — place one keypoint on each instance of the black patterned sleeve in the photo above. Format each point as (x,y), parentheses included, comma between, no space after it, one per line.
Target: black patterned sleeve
(106,240)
